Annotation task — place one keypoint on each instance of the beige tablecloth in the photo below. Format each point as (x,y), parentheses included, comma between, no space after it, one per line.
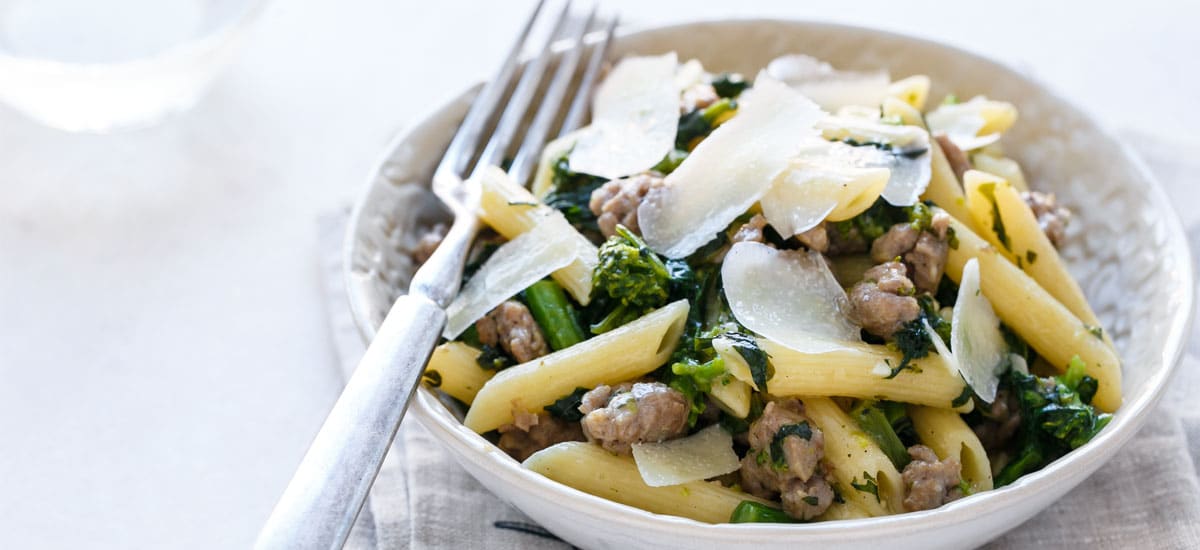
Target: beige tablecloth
(1148,496)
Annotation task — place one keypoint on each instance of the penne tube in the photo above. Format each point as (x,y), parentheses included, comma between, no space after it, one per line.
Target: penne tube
(1026,308)
(949,436)
(593,470)
(1003,167)
(860,371)
(624,353)
(732,395)
(452,369)
(944,188)
(857,462)
(512,210)
(913,90)
(1025,244)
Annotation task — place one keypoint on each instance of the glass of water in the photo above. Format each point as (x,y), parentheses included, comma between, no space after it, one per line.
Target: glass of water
(101,65)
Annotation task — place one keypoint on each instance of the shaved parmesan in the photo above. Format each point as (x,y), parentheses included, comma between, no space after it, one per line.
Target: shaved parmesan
(903,150)
(728,171)
(825,180)
(690,73)
(514,266)
(634,119)
(790,297)
(828,87)
(974,124)
(705,454)
(979,348)
(940,346)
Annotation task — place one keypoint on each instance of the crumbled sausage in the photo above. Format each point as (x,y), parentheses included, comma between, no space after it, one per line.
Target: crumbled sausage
(511,326)
(955,156)
(801,481)
(697,96)
(924,252)
(1001,421)
(844,239)
(751,231)
(930,482)
(530,433)
(882,303)
(641,412)
(927,260)
(898,240)
(816,239)
(617,201)
(428,242)
(1051,217)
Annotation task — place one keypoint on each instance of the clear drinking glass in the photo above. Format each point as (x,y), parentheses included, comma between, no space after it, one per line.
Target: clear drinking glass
(100,65)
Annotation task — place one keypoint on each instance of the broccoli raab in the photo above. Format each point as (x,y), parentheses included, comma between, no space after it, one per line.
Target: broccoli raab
(1056,417)
(881,216)
(629,280)
(697,124)
(570,194)
(913,341)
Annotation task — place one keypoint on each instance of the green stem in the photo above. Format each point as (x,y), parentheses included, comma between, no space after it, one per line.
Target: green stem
(871,418)
(752,512)
(554,313)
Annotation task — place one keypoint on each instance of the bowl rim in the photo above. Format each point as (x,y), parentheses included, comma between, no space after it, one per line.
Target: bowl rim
(1125,424)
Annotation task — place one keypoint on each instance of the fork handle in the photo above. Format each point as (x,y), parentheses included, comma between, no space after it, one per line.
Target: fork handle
(319,506)
(327,491)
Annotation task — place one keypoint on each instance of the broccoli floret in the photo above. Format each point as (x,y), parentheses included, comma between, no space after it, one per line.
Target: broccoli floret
(629,280)
(1056,417)
(881,216)
(570,193)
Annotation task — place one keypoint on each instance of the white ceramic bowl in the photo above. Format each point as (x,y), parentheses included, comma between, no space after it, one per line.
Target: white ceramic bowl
(1126,246)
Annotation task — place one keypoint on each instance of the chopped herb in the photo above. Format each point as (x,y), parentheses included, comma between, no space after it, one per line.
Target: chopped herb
(567,408)
(1095,330)
(810,500)
(747,347)
(965,488)
(962,398)
(989,191)
(729,84)
(1030,257)
(432,378)
(868,486)
(801,430)
(493,358)
(951,238)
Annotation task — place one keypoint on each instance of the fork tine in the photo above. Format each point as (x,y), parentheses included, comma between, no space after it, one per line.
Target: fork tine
(535,136)
(583,95)
(458,154)
(527,86)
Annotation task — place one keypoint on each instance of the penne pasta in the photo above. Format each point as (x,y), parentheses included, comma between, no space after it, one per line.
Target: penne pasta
(732,395)
(944,188)
(512,210)
(593,470)
(913,90)
(907,114)
(860,371)
(857,462)
(452,369)
(948,435)
(1003,167)
(621,354)
(1024,242)
(1044,323)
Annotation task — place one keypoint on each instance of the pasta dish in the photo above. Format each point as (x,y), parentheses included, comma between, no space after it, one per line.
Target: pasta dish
(809,295)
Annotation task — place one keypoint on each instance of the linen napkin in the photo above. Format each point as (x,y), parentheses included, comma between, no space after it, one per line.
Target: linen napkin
(1148,496)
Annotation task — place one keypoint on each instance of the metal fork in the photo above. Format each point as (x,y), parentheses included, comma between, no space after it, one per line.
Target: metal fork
(320,505)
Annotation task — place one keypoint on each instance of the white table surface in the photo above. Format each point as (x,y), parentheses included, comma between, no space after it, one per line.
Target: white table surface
(164,349)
